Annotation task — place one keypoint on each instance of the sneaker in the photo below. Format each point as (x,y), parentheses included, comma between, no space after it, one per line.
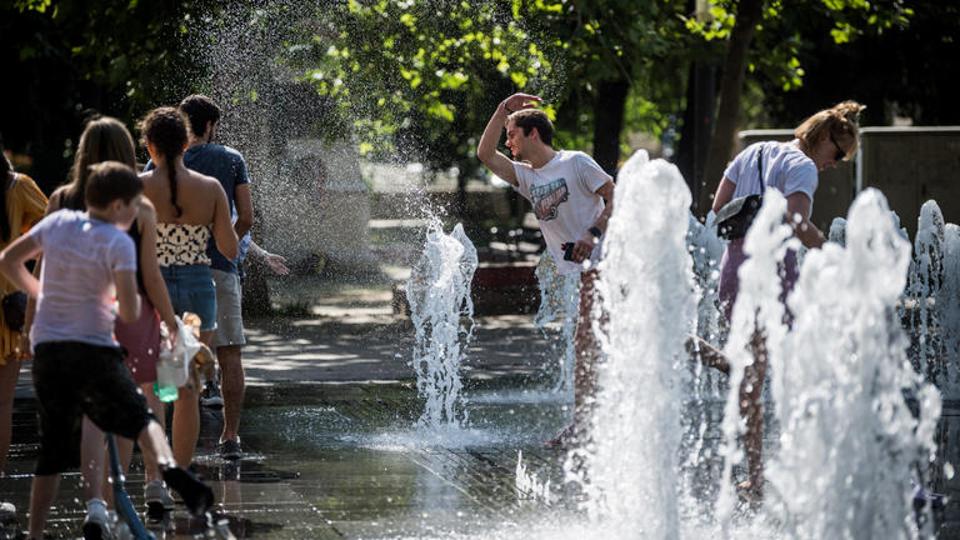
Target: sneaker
(195,494)
(230,450)
(97,525)
(158,499)
(8,512)
(211,397)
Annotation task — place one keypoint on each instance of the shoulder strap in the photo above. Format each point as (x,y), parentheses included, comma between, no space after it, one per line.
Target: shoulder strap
(760,169)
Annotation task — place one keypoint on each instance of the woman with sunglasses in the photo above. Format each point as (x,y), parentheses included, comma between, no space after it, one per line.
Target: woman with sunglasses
(821,141)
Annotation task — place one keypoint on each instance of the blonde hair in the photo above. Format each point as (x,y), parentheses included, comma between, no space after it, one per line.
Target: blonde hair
(840,122)
(103,139)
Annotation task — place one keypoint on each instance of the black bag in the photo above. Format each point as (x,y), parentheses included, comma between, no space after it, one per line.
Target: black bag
(14,310)
(735,218)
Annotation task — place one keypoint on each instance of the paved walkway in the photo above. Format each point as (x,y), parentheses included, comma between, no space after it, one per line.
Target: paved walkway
(328,427)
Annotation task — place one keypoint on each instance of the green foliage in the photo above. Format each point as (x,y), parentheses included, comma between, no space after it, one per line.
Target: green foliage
(419,77)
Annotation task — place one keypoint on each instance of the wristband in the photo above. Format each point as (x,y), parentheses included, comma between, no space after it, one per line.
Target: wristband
(595,231)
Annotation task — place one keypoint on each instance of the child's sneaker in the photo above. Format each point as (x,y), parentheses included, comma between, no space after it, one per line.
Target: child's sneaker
(97,525)
(158,499)
(195,494)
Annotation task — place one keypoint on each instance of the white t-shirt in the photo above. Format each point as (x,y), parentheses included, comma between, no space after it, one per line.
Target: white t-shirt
(565,200)
(80,255)
(785,168)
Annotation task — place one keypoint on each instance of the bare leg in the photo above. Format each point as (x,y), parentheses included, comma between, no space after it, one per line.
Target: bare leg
(125,446)
(232,386)
(9,372)
(186,418)
(153,444)
(42,493)
(587,350)
(151,470)
(186,425)
(196,495)
(92,459)
(751,408)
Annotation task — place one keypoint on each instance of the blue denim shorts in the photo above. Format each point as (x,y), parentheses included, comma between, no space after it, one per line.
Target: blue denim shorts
(191,289)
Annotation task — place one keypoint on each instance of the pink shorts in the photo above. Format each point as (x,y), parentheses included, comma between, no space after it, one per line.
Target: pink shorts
(141,339)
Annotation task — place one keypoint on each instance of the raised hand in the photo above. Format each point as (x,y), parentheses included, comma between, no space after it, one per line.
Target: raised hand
(521,101)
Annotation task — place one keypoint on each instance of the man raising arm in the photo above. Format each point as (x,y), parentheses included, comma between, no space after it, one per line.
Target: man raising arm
(572,198)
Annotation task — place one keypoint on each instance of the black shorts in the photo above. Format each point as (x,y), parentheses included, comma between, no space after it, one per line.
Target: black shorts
(73,379)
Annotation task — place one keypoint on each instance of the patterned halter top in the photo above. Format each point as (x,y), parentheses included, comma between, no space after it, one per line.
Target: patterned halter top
(181,245)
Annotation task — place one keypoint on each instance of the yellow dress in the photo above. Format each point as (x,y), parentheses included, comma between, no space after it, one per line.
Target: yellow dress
(26,205)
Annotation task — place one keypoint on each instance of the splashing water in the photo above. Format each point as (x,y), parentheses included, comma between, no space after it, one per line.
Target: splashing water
(559,302)
(838,231)
(948,310)
(849,439)
(439,295)
(923,286)
(757,309)
(646,285)
(528,485)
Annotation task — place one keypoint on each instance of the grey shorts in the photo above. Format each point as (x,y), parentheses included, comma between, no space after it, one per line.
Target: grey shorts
(229,318)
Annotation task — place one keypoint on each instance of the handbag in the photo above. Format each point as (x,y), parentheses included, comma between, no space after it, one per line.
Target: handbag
(14,310)
(735,218)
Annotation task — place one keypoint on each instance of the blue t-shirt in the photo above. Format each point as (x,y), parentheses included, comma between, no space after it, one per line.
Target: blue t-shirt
(228,166)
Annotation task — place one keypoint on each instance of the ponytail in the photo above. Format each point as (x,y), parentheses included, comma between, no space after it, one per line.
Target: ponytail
(177,211)
(166,129)
(841,122)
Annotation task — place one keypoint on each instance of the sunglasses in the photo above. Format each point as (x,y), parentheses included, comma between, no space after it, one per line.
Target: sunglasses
(841,153)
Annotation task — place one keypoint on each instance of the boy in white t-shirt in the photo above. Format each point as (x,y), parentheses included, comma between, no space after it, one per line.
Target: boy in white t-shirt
(78,366)
(572,198)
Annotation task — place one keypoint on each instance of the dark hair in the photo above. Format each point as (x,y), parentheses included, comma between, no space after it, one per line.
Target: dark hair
(103,139)
(166,129)
(200,111)
(5,169)
(528,119)
(109,181)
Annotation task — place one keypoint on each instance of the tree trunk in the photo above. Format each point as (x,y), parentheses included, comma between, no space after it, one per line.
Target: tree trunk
(731,88)
(697,127)
(460,198)
(608,111)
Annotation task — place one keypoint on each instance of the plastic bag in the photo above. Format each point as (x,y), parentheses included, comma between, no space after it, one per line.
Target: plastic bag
(184,349)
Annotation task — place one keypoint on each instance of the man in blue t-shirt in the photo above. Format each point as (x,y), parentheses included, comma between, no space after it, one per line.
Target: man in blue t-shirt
(228,166)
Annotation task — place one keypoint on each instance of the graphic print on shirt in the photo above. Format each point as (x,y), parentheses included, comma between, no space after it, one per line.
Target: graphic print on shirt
(548,197)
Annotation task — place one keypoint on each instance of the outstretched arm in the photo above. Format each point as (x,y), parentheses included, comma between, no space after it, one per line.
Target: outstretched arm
(487,152)
(277,263)
(798,208)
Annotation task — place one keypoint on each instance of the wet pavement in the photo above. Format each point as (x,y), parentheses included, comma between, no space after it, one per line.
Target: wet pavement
(331,446)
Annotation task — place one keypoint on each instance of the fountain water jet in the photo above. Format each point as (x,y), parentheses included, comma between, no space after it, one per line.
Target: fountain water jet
(438,292)
(646,287)
(849,440)
(559,302)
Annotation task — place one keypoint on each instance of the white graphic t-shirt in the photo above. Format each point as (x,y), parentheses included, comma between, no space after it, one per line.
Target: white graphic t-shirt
(565,200)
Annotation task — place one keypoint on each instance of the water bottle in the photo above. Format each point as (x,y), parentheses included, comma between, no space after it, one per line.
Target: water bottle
(166,387)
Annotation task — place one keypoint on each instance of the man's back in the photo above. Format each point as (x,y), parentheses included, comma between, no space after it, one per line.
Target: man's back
(76,284)
(228,166)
